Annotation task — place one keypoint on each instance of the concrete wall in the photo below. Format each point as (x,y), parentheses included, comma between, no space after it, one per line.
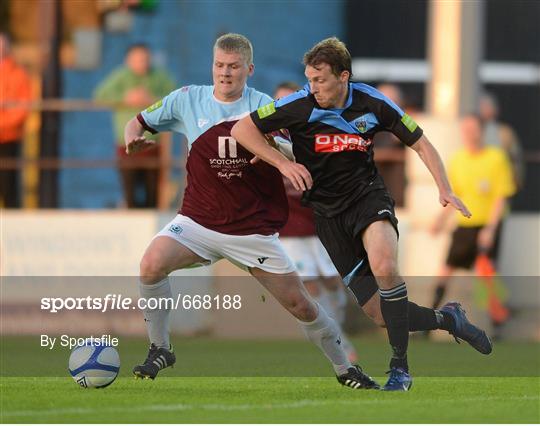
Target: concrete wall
(75,253)
(181,34)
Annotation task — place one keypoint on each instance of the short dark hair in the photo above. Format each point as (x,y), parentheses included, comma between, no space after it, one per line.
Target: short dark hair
(135,46)
(331,51)
(289,85)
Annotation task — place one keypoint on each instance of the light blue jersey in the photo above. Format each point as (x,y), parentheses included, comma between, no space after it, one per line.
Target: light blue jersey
(192,110)
(224,191)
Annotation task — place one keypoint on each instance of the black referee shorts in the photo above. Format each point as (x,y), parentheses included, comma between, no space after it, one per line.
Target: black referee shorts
(464,247)
(341,235)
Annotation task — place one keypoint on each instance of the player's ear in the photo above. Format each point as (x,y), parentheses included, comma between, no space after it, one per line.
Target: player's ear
(345,76)
(251,69)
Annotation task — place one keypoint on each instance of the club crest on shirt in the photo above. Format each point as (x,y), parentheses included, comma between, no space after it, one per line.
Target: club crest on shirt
(361,124)
(365,122)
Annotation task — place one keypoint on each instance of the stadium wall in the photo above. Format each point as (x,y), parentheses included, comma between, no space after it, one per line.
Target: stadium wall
(181,35)
(79,253)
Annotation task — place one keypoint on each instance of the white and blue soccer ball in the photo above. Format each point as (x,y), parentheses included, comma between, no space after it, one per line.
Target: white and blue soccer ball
(94,366)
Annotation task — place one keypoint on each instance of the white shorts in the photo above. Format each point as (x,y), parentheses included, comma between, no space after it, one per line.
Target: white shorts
(309,256)
(245,251)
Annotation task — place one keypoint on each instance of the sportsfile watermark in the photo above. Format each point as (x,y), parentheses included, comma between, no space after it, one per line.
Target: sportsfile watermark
(119,302)
(70,342)
(233,326)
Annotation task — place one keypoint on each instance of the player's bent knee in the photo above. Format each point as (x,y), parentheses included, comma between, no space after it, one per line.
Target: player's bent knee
(384,267)
(152,269)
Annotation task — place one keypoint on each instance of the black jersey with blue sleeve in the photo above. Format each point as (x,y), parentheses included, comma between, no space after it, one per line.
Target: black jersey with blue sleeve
(336,145)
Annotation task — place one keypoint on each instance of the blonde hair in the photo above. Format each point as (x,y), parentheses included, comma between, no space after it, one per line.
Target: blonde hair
(236,43)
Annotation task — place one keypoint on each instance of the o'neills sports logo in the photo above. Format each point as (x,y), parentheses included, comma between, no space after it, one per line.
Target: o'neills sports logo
(341,142)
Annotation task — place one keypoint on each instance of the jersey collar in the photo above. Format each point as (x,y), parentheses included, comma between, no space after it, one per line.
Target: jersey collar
(244,92)
(347,104)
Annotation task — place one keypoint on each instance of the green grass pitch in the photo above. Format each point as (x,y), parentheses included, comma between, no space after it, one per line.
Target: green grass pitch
(274,382)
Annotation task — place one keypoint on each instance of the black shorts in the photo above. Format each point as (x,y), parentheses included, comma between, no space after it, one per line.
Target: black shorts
(464,247)
(341,235)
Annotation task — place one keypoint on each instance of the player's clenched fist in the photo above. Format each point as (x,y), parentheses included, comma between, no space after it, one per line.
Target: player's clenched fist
(138,144)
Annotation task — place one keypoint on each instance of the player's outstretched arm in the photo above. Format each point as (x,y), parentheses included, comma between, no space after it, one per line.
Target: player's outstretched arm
(433,162)
(247,134)
(134,137)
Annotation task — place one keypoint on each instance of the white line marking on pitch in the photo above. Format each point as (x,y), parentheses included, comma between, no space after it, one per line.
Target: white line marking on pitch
(241,407)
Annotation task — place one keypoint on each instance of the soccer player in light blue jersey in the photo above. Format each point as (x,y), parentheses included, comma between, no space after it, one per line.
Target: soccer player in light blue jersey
(232,208)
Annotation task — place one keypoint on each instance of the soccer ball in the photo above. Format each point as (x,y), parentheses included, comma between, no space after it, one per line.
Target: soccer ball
(94,366)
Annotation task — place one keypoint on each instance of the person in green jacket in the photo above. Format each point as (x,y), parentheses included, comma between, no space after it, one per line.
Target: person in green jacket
(130,88)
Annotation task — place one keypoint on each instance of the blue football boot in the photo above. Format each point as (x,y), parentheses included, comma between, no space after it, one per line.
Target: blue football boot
(467,331)
(399,380)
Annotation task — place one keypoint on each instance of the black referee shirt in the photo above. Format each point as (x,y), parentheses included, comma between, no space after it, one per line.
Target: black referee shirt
(336,145)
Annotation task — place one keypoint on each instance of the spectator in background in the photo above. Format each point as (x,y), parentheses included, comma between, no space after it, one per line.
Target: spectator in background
(392,92)
(131,88)
(503,136)
(390,152)
(299,238)
(481,176)
(286,88)
(15,86)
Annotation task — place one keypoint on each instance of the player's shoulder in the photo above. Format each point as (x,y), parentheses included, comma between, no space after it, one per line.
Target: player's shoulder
(367,91)
(298,98)
(256,96)
(192,93)
(254,93)
(370,92)
(364,88)
(195,91)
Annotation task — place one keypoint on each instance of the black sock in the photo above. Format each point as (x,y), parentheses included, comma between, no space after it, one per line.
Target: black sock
(422,318)
(394,310)
(440,290)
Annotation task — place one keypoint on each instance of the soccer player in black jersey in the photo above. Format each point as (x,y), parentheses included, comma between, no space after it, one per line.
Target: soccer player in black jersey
(332,122)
